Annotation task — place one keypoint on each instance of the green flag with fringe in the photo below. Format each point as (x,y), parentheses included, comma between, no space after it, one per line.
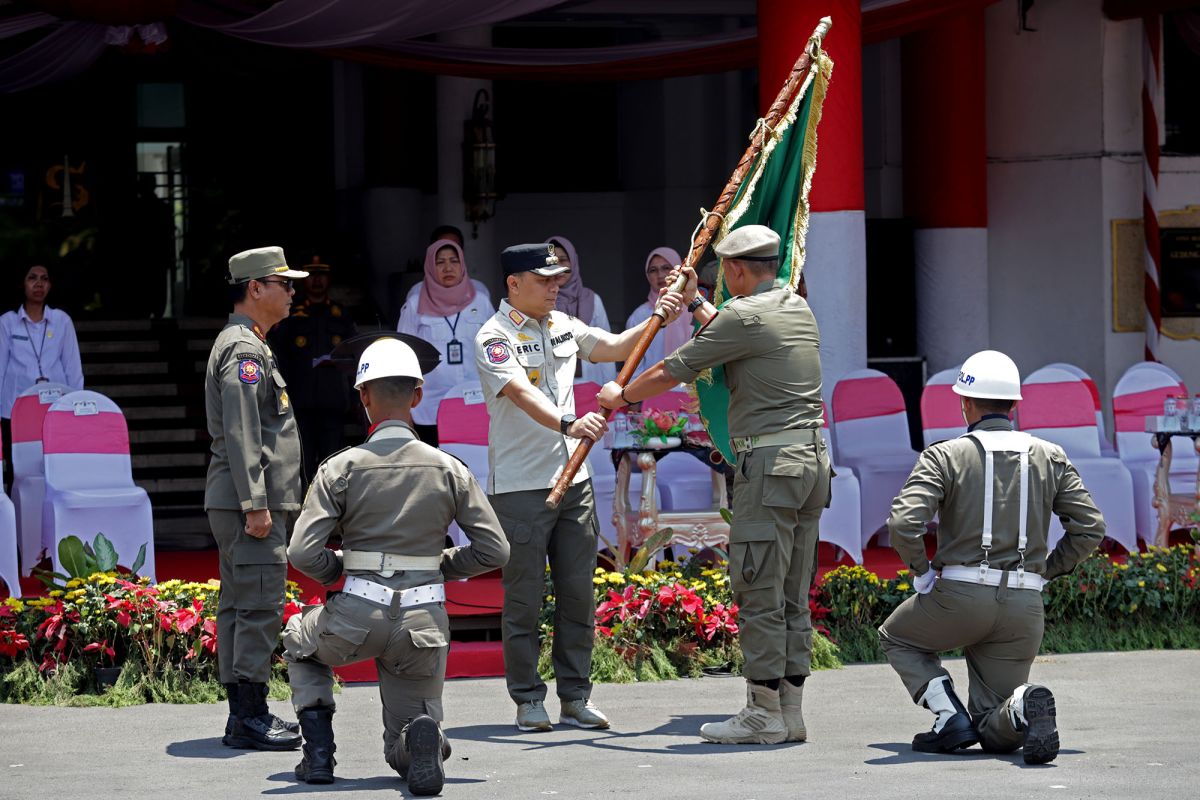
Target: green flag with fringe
(775,194)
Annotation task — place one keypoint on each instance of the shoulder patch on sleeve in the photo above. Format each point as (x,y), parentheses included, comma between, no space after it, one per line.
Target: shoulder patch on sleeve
(249,370)
(497,350)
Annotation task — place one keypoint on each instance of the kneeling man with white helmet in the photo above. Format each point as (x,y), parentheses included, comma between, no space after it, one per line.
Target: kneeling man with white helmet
(995,491)
(391,499)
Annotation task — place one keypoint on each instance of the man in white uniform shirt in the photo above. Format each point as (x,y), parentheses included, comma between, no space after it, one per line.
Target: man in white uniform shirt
(526,356)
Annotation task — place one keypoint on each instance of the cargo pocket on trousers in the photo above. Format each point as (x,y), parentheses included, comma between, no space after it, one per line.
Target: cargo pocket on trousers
(340,639)
(259,587)
(752,556)
(420,655)
(787,479)
(300,633)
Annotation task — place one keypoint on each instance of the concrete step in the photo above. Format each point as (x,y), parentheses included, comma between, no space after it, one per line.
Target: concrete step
(121,347)
(168,460)
(154,412)
(166,435)
(112,325)
(153,486)
(93,368)
(137,390)
(202,323)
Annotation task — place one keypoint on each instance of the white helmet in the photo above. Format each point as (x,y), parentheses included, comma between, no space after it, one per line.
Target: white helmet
(387,358)
(989,374)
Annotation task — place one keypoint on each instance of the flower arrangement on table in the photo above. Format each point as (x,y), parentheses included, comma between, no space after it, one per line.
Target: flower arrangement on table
(661,430)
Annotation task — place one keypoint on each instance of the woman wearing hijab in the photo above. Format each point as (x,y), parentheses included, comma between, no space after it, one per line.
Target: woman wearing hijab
(582,303)
(37,344)
(659,264)
(446,309)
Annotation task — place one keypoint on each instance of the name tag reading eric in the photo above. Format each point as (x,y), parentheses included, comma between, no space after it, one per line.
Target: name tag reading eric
(86,408)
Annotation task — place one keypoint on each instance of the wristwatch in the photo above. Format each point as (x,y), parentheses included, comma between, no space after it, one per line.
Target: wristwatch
(695,304)
(565,423)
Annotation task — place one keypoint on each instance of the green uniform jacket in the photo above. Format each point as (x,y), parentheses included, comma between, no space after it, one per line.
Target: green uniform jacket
(312,331)
(769,344)
(255,443)
(948,481)
(396,495)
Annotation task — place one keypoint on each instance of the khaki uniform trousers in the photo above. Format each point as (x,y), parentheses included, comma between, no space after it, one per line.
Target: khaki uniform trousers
(409,646)
(567,536)
(778,495)
(1000,630)
(253,581)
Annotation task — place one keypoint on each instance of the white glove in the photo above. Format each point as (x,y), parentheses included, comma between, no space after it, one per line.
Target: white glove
(923,584)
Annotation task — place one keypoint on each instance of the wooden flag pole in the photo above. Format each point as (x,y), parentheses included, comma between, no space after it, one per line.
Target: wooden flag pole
(708,228)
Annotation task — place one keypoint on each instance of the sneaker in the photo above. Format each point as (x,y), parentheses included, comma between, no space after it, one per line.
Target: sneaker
(532,716)
(1041,729)
(760,722)
(582,714)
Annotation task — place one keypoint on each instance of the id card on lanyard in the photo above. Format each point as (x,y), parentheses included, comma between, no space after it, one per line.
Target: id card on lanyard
(454,348)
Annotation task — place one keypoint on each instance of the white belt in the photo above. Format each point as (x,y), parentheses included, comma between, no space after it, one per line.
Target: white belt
(992,577)
(377,593)
(388,563)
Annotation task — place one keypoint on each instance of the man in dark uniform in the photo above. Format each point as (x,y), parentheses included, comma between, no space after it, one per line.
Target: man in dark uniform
(767,339)
(253,492)
(320,393)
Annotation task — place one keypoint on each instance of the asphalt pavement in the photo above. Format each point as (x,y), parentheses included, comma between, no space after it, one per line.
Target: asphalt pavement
(1128,723)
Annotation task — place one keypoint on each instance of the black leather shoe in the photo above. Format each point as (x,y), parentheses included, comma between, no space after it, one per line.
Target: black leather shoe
(254,728)
(318,762)
(958,732)
(423,739)
(1041,728)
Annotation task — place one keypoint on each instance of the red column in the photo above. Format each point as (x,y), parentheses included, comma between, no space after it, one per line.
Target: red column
(945,184)
(836,262)
(783,29)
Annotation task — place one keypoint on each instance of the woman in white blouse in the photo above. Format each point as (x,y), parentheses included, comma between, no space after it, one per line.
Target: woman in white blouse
(37,344)
(659,264)
(582,303)
(446,309)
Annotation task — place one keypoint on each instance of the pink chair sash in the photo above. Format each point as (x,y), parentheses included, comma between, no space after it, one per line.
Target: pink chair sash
(585,398)
(1056,405)
(102,433)
(1130,410)
(940,407)
(460,423)
(28,414)
(862,398)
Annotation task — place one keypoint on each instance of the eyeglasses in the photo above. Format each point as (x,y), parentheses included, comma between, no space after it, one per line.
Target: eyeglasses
(286,283)
(658,270)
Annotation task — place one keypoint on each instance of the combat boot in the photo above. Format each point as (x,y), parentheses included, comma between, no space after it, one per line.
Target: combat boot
(254,728)
(789,705)
(952,726)
(318,762)
(423,755)
(279,722)
(231,693)
(760,722)
(1033,713)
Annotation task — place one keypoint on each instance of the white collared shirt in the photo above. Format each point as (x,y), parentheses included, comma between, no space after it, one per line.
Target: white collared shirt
(25,343)
(523,454)
(439,332)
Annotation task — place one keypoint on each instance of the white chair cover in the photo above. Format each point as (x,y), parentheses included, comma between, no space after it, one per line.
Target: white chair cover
(29,478)
(10,573)
(1139,394)
(1106,445)
(870,430)
(89,480)
(841,523)
(463,428)
(683,481)
(941,409)
(1059,408)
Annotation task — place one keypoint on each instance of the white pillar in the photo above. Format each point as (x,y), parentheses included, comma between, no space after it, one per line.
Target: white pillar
(455,99)
(835,269)
(952,298)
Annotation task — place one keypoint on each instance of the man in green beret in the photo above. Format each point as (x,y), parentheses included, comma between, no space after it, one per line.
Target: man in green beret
(253,492)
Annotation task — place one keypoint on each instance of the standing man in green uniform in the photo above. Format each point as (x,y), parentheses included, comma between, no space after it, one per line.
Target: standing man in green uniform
(526,356)
(253,491)
(767,339)
(391,499)
(994,491)
(319,391)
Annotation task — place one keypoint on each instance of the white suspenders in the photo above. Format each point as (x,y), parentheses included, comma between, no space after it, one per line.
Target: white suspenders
(1004,442)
